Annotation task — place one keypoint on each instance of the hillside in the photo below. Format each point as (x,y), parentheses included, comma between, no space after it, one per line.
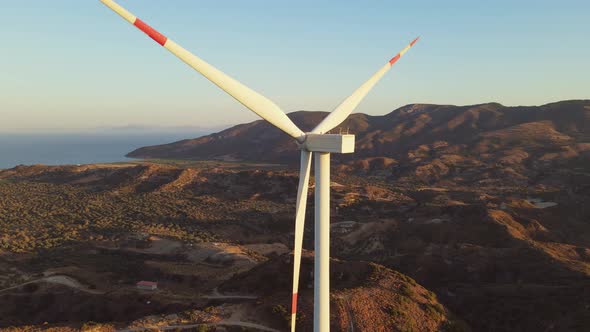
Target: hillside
(200,230)
(364,297)
(410,134)
(470,218)
(499,254)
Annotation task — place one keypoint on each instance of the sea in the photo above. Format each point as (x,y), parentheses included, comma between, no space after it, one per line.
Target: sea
(79,148)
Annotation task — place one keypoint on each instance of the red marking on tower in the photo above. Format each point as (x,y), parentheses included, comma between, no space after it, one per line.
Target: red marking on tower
(155,35)
(394,59)
(294,304)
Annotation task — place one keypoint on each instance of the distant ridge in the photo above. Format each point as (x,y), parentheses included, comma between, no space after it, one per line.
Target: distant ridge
(466,130)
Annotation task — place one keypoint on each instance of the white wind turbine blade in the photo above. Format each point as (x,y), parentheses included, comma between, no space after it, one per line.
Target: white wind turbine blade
(349,104)
(299,223)
(249,98)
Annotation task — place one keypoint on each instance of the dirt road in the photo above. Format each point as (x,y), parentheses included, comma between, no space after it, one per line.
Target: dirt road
(57,279)
(218,296)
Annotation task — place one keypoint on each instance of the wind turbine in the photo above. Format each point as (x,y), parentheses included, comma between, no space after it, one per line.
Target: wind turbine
(317,142)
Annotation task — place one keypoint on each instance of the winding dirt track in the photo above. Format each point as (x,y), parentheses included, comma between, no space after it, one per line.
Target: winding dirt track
(57,279)
(73,283)
(346,300)
(218,296)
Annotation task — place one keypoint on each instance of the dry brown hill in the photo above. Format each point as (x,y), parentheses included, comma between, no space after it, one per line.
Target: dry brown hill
(506,249)
(364,297)
(408,133)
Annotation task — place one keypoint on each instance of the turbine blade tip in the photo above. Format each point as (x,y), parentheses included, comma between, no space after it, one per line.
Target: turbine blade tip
(394,59)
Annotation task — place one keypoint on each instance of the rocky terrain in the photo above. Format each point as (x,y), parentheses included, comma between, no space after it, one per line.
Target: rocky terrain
(199,230)
(448,218)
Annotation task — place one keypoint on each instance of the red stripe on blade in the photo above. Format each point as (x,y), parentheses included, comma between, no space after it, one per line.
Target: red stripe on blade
(394,59)
(294,304)
(414,41)
(155,35)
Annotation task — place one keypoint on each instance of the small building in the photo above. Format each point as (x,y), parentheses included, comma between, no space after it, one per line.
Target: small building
(147,285)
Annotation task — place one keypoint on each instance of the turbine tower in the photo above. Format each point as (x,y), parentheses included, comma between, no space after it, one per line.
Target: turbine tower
(316,142)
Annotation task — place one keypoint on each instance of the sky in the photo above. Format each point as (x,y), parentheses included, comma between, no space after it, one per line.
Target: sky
(73,65)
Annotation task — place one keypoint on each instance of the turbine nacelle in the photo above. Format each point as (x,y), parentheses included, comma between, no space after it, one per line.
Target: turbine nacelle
(331,143)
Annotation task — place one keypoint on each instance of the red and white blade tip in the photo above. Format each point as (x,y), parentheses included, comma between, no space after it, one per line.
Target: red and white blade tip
(399,55)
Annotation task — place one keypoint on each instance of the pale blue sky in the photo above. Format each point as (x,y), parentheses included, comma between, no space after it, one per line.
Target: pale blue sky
(70,64)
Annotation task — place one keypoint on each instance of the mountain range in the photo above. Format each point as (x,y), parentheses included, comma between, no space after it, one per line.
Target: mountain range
(485,131)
